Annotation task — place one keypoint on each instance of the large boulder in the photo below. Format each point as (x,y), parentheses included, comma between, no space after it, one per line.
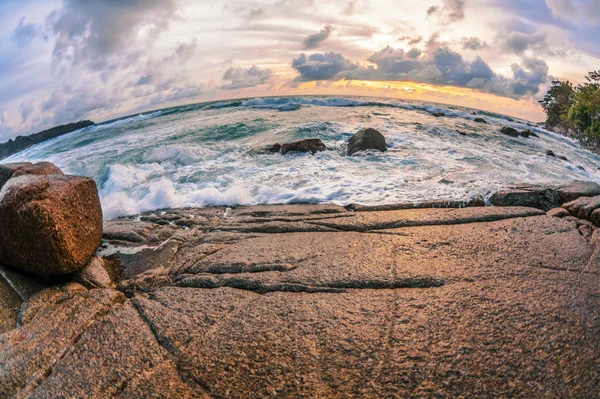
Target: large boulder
(366,139)
(533,197)
(51,225)
(8,170)
(577,189)
(39,169)
(308,145)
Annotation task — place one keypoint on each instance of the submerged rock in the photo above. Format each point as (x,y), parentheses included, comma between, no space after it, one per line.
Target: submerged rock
(366,139)
(525,133)
(8,170)
(479,120)
(550,153)
(533,197)
(509,131)
(308,145)
(438,114)
(51,225)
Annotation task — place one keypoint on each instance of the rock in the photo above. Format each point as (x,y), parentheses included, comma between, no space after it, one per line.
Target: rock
(438,114)
(9,169)
(585,212)
(532,134)
(94,275)
(581,168)
(476,201)
(574,206)
(479,120)
(578,189)
(558,213)
(595,218)
(39,169)
(461,133)
(51,225)
(509,131)
(309,145)
(128,230)
(533,197)
(563,158)
(525,133)
(274,148)
(550,153)
(366,139)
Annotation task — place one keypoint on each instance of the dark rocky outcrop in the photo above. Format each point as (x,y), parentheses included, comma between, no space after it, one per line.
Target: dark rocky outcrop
(479,120)
(438,114)
(308,145)
(525,133)
(51,225)
(562,158)
(509,131)
(550,153)
(532,134)
(366,139)
(543,198)
(578,189)
(22,142)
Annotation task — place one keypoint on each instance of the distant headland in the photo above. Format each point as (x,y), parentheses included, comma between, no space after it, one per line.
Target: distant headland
(22,142)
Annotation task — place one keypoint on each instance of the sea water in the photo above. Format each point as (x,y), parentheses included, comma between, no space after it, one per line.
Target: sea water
(212,154)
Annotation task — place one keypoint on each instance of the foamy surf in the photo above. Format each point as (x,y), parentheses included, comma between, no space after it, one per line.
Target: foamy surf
(209,154)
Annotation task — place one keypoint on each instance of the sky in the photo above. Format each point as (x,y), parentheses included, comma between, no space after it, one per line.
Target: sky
(67,60)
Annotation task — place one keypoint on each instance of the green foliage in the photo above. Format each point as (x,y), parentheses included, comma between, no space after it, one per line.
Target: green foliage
(577,108)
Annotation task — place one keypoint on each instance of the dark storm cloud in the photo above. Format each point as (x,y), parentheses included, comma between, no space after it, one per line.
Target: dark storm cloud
(322,66)
(313,41)
(440,65)
(25,33)
(474,43)
(242,77)
(92,32)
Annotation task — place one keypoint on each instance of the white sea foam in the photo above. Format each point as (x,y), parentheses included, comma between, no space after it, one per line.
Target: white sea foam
(210,155)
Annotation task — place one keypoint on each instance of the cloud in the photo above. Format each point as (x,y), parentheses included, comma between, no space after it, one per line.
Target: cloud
(25,33)
(519,42)
(96,33)
(26,111)
(575,10)
(321,66)
(440,65)
(250,77)
(474,44)
(313,41)
(451,11)
(411,40)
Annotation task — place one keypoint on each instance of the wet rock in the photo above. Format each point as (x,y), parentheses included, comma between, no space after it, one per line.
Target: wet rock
(274,148)
(9,169)
(558,213)
(509,131)
(438,114)
(479,120)
(525,133)
(39,169)
(309,145)
(562,158)
(51,225)
(366,139)
(581,168)
(550,153)
(94,275)
(578,189)
(476,201)
(533,197)
(532,134)
(460,132)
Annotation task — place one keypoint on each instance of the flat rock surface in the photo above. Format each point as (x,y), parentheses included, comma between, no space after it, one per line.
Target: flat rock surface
(313,301)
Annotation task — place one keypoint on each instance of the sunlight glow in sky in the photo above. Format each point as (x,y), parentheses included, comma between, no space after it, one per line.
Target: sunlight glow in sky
(65,60)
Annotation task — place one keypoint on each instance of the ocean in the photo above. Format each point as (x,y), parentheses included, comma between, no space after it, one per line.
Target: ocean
(211,154)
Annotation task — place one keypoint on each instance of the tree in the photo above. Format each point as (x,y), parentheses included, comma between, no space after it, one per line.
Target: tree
(585,113)
(557,102)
